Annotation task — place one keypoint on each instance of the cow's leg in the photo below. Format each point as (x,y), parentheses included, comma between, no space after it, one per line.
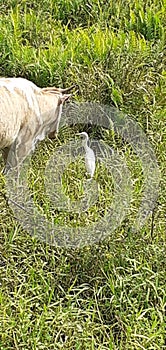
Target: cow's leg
(20,149)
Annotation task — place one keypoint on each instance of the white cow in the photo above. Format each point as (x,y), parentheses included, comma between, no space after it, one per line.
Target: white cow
(27,114)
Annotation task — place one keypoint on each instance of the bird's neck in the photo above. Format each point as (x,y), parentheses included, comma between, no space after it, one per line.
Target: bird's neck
(85,143)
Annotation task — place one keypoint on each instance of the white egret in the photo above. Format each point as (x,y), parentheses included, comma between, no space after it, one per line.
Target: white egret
(89,155)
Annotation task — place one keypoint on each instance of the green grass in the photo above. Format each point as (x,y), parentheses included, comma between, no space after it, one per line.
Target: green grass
(110,295)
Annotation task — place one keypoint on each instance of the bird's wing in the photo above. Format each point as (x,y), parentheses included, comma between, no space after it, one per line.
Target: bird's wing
(90,161)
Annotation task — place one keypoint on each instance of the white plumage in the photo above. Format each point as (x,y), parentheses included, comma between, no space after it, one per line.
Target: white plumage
(89,155)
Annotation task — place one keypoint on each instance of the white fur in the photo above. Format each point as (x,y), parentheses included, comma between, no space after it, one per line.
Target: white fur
(27,114)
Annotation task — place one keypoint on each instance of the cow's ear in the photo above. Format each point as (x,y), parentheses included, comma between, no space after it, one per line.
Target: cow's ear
(63,98)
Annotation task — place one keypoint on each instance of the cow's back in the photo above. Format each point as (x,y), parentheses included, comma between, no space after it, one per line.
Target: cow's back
(17,106)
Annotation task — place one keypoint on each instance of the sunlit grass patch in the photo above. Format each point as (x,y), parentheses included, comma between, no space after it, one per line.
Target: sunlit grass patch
(110,295)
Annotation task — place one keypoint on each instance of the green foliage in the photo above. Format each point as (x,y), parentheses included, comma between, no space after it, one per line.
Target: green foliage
(111,296)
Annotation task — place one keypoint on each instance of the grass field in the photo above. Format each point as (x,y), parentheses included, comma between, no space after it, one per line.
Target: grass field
(111,295)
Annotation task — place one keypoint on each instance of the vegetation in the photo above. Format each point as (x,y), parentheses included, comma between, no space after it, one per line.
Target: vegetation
(111,295)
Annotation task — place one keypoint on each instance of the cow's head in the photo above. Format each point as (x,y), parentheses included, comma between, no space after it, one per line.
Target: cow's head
(62,98)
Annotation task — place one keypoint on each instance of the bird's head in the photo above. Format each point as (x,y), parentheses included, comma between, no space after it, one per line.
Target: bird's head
(84,136)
